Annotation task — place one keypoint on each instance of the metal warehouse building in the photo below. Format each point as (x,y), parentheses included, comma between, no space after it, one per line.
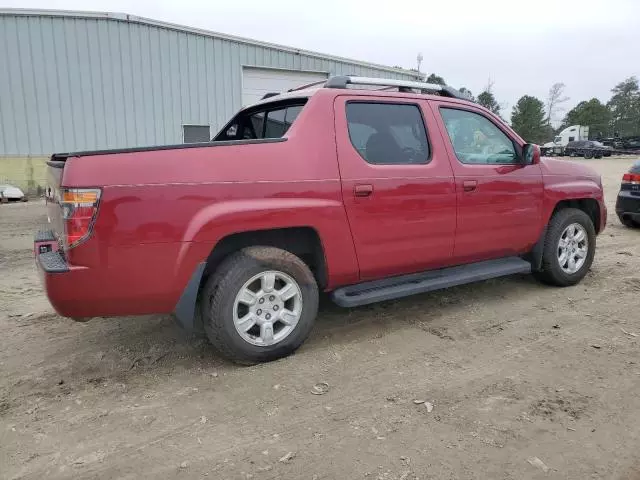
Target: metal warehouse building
(78,80)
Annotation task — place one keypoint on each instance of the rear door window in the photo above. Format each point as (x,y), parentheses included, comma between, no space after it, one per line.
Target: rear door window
(388,133)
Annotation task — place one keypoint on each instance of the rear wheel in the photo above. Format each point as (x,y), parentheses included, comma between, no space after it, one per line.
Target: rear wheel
(260,305)
(569,248)
(588,154)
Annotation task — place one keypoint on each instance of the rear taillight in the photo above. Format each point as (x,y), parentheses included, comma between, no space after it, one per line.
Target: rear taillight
(79,209)
(631,178)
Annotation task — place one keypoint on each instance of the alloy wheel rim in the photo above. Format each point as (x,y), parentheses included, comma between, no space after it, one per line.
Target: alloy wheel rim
(267,308)
(573,248)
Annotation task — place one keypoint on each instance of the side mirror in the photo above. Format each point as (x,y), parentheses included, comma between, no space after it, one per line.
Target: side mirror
(531,154)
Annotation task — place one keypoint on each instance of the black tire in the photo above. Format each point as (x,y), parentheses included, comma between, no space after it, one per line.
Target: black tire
(627,222)
(219,295)
(588,154)
(551,272)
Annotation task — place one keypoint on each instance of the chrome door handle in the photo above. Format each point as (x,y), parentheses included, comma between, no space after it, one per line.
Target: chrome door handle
(469,185)
(363,190)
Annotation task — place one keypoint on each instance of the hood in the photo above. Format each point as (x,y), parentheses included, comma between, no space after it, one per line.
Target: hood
(555,166)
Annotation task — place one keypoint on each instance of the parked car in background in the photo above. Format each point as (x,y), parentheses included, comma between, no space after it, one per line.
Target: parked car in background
(614,143)
(9,193)
(628,203)
(367,194)
(631,143)
(587,149)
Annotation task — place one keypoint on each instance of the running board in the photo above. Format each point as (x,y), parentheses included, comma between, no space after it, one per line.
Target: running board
(405,285)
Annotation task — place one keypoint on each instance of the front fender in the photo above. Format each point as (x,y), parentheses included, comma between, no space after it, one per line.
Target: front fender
(564,189)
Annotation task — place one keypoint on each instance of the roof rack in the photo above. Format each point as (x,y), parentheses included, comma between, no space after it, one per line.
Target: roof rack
(307,85)
(402,85)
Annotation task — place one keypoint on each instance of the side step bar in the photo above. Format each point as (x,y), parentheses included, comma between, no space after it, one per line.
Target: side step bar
(405,285)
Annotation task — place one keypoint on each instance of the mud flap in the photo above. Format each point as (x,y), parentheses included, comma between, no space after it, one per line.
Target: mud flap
(536,252)
(185,311)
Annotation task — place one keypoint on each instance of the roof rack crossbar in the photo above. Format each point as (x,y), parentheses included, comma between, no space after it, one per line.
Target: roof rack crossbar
(402,85)
(306,85)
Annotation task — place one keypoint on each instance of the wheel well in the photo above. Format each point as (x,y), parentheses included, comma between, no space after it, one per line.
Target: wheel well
(303,242)
(587,205)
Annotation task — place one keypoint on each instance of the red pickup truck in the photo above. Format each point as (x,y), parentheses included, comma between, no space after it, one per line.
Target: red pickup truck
(365,188)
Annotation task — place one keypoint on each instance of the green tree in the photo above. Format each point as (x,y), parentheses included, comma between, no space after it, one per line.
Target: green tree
(433,78)
(467,92)
(488,101)
(528,119)
(625,107)
(592,113)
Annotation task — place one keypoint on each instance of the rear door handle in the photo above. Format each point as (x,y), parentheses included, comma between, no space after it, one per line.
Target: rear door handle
(469,185)
(363,190)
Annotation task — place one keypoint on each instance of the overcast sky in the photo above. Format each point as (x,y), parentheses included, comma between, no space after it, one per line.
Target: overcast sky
(524,47)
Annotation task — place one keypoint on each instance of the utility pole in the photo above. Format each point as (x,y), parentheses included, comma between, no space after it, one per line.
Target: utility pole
(419,58)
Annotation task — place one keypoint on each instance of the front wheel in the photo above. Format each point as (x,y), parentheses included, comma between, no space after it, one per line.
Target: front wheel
(260,305)
(569,248)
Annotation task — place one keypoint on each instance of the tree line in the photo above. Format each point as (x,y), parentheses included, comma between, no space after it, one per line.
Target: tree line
(532,118)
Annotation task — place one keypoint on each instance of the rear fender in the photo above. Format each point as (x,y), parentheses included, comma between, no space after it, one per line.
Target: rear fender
(214,222)
(217,221)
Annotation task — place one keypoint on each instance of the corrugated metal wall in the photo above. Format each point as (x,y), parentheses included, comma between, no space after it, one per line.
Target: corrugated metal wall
(69,83)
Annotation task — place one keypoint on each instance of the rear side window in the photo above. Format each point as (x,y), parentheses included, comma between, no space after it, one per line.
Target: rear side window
(388,133)
(271,122)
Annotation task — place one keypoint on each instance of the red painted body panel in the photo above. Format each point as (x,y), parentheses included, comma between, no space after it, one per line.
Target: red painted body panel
(502,214)
(565,180)
(408,222)
(162,212)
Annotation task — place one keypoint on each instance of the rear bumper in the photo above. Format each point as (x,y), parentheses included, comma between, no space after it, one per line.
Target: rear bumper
(628,205)
(62,282)
(111,283)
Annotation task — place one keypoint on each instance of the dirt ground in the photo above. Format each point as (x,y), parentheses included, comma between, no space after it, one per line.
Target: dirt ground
(515,371)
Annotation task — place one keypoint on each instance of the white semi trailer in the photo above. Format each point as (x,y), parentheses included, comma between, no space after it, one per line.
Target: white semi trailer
(573,133)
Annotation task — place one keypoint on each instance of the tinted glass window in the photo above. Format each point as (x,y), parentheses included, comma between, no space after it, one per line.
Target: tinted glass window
(266,123)
(388,133)
(477,140)
(359,134)
(255,127)
(291,115)
(275,124)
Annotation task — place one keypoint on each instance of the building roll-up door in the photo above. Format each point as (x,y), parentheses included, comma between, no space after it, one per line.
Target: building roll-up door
(256,82)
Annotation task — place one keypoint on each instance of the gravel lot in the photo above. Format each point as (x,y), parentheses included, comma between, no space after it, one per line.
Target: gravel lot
(515,371)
